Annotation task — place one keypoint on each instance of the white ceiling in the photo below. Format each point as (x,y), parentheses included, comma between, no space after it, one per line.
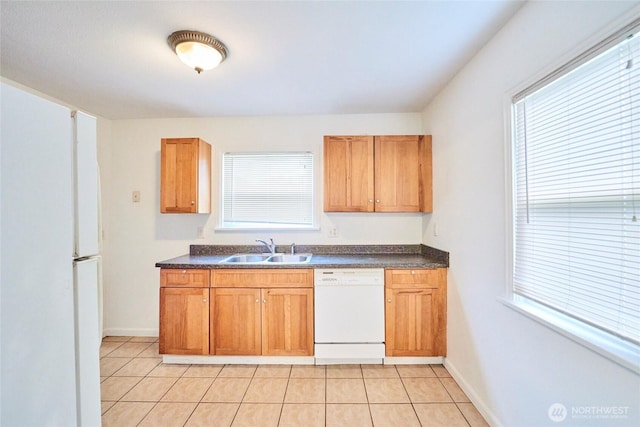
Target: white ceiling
(111,58)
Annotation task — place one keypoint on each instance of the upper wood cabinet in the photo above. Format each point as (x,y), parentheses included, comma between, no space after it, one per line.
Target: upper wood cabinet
(185,176)
(348,174)
(378,173)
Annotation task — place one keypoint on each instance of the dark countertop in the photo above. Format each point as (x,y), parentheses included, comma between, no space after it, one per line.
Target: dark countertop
(344,256)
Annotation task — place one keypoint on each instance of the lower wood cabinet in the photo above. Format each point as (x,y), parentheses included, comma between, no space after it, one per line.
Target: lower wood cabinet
(262,312)
(236,312)
(236,323)
(415,318)
(247,312)
(184,320)
(287,322)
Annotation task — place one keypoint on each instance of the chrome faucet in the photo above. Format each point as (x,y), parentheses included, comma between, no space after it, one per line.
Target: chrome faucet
(293,248)
(271,247)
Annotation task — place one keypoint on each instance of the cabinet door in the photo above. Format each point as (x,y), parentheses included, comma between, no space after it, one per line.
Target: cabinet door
(415,322)
(397,173)
(184,321)
(235,321)
(287,322)
(185,177)
(348,174)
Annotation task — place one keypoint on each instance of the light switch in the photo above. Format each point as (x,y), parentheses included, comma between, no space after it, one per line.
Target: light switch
(135,196)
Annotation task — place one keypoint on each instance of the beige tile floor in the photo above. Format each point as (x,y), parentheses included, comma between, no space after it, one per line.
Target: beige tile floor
(139,390)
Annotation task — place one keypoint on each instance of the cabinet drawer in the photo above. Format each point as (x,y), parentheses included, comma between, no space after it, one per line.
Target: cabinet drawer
(262,278)
(415,278)
(184,277)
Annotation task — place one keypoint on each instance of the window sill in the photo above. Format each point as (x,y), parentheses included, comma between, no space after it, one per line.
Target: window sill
(618,350)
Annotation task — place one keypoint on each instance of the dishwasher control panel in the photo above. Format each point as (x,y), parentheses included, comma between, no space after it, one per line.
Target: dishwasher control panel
(349,276)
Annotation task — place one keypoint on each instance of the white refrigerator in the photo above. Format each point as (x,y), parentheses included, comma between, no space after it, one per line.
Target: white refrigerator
(49,273)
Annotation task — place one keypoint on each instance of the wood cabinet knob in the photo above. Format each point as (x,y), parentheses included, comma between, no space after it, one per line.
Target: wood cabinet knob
(193,202)
(264,301)
(389,300)
(204,300)
(257,299)
(184,271)
(377,200)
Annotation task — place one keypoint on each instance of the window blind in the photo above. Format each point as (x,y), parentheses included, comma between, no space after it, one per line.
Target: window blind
(577,189)
(267,190)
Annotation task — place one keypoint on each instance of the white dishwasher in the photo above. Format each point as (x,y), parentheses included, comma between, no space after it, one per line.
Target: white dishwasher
(349,315)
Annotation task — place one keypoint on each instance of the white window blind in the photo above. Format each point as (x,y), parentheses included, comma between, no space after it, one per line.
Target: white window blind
(267,190)
(577,189)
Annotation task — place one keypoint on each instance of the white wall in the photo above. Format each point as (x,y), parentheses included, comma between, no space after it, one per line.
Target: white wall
(136,235)
(513,367)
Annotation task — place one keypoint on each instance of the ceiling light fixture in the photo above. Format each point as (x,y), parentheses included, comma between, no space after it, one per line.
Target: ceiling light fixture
(198,50)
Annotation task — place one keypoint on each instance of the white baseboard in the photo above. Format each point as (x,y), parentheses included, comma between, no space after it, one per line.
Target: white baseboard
(348,361)
(482,407)
(294,360)
(238,360)
(404,360)
(125,332)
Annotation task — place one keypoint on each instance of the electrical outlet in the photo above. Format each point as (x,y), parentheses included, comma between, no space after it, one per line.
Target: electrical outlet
(200,232)
(333,232)
(135,196)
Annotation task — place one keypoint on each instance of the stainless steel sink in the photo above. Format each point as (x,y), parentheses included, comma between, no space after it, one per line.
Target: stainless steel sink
(290,259)
(267,258)
(246,258)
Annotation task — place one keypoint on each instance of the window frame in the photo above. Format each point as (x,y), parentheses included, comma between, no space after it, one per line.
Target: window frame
(223,227)
(618,350)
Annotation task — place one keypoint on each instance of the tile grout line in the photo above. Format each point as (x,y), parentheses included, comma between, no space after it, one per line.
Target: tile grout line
(453,400)
(183,375)
(404,387)
(284,396)
(145,376)
(244,395)
(112,375)
(366,394)
(157,402)
(463,415)
(199,401)
(325,396)
(136,356)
